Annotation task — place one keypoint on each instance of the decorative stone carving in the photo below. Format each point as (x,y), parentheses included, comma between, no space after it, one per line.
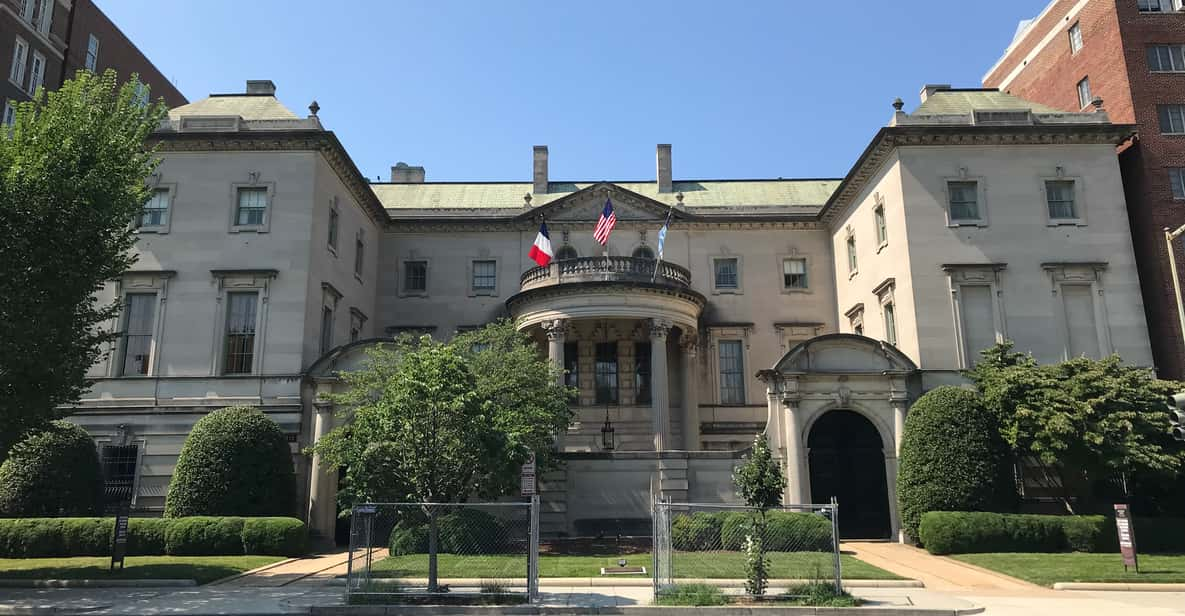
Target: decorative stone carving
(556,329)
(659,329)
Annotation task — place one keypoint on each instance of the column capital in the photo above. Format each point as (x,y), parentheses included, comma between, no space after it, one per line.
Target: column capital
(689,343)
(659,329)
(556,329)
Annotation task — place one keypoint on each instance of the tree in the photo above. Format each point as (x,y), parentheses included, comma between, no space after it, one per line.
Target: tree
(53,471)
(1079,420)
(234,462)
(952,458)
(72,179)
(759,482)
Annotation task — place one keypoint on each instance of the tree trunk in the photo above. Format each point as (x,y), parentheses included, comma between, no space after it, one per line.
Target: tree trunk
(432,548)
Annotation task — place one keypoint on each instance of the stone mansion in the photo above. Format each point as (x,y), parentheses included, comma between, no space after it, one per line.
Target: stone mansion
(813,310)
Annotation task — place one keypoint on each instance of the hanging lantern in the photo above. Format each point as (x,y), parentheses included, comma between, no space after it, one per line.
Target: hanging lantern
(607,433)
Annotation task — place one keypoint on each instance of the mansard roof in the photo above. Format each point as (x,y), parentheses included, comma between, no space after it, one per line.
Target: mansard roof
(246,106)
(962,101)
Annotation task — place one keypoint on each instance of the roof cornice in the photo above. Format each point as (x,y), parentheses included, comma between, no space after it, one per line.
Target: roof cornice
(890,138)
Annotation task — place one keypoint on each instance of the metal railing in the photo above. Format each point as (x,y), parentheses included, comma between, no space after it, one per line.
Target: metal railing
(601,269)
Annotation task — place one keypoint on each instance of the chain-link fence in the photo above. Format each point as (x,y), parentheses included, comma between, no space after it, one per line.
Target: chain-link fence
(415,551)
(701,542)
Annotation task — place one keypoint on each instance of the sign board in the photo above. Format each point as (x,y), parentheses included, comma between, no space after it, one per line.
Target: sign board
(527,477)
(364,509)
(119,540)
(1127,537)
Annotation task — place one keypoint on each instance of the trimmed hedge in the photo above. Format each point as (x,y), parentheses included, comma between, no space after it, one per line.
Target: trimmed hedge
(54,471)
(952,458)
(235,462)
(195,536)
(785,531)
(954,532)
(409,540)
(465,531)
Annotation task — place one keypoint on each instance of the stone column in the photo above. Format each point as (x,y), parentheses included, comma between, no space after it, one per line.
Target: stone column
(689,345)
(557,331)
(898,401)
(792,438)
(322,480)
(659,392)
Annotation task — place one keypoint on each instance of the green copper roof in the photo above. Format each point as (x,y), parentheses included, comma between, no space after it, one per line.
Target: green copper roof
(701,193)
(965,101)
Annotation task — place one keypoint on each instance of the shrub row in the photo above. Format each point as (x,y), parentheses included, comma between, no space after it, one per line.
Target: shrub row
(193,536)
(785,531)
(465,531)
(951,532)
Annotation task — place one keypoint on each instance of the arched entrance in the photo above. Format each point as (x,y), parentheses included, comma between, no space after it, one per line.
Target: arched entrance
(847,461)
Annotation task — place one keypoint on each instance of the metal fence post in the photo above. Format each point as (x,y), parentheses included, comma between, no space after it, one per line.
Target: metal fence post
(350,557)
(533,552)
(835,542)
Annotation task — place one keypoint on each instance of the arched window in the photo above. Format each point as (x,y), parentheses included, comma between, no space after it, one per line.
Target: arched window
(643,252)
(566,252)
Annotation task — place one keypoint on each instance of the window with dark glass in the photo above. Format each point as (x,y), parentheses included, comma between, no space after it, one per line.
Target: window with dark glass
(137,333)
(1166,58)
(1059,195)
(964,200)
(566,252)
(119,473)
(643,252)
(642,372)
(794,273)
(359,254)
(252,206)
(240,332)
(1172,119)
(572,365)
(605,373)
(155,212)
(326,329)
(732,372)
(485,275)
(333,222)
(726,273)
(415,275)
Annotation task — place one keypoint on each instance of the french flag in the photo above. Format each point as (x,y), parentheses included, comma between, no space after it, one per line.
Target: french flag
(541,252)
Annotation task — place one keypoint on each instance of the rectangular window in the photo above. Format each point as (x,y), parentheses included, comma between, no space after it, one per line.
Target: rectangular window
(572,368)
(485,276)
(119,464)
(1177,179)
(852,254)
(415,276)
(882,232)
(1075,33)
(1084,92)
(36,72)
(1166,58)
(1080,321)
(42,14)
(240,332)
(642,372)
(359,256)
(1155,6)
(1059,195)
(890,322)
(1172,119)
(355,328)
(92,53)
(141,95)
(9,114)
(155,212)
(252,206)
(726,273)
(27,10)
(605,373)
(732,372)
(964,201)
(979,325)
(20,53)
(333,221)
(326,329)
(137,333)
(794,273)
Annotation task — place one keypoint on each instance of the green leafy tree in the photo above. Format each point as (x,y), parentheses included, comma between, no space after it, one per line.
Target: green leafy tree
(235,461)
(53,471)
(760,483)
(1079,420)
(435,422)
(72,179)
(952,458)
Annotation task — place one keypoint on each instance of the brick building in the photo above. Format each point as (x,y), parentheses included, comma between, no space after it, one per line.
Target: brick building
(43,42)
(1131,55)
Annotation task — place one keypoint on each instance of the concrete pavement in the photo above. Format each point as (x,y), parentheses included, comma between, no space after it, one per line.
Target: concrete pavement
(937,572)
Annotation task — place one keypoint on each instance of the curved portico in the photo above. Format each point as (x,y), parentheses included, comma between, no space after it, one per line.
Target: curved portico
(611,324)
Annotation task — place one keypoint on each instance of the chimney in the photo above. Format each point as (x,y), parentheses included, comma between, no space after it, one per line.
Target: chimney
(664,167)
(540,170)
(403,173)
(263,87)
(929,89)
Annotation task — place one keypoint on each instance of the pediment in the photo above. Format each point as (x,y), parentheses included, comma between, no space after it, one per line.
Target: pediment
(586,204)
(844,354)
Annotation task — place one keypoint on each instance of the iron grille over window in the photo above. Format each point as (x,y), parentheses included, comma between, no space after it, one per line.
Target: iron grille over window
(252,206)
(137,337)
(240,332)
(119,473)
(606,373)
(415,276)
(732,372)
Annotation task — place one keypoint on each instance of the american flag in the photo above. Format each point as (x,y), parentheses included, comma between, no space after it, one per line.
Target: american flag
(605,223)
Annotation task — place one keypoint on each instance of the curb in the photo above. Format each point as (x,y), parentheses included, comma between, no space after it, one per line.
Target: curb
(530,610)
(96,584)
(647,582)
(1121,586)
(251,572)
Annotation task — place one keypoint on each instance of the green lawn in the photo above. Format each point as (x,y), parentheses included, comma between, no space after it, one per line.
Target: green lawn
(686,564)
(1046,569)
(201,568)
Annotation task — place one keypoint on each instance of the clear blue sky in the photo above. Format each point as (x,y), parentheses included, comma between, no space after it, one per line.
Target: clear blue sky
(742,89)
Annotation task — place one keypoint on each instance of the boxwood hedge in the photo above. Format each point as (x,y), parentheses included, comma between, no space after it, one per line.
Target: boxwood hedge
(463,531)
(961,532)
(785,531)
(195,536)
(54,471)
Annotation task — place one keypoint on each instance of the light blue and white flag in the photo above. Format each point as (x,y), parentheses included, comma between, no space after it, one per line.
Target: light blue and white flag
(662,240)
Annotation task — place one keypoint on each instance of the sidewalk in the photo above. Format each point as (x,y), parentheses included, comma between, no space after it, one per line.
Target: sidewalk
(937,572)
(314,570)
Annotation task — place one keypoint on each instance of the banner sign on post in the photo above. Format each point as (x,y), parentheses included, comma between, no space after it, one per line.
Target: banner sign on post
(527,477)
(1127,537)
(119,540)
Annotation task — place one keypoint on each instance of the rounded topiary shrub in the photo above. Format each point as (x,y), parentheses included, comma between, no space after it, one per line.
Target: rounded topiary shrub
(952,458)
(411,539)
(470,531)
(234,462)
(52,472)
(697,532)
